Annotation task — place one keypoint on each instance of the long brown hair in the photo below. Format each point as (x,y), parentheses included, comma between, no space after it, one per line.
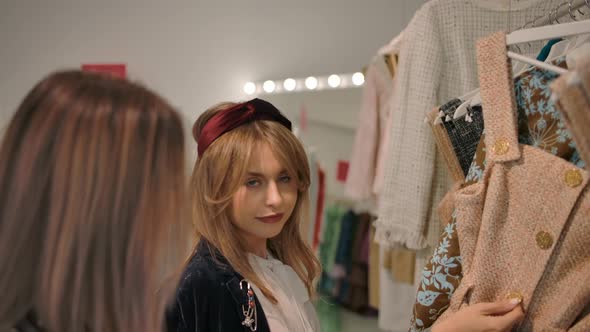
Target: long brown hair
(217,176)
(92,178)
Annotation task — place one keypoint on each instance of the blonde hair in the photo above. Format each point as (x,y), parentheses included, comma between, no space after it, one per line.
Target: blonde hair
(220,172)
(92,178)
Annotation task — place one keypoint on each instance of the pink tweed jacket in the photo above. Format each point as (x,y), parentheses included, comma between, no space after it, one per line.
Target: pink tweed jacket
(524,230)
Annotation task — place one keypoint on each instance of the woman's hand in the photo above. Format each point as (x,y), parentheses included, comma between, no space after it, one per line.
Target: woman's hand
(483,317)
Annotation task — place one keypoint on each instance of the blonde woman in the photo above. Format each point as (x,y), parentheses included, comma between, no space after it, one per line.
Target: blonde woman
(251,269)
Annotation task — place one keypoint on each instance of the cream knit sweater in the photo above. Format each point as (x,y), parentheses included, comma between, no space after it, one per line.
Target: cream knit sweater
(437,63)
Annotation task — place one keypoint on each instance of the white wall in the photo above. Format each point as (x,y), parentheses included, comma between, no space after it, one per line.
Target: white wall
(332,119)
(195,53)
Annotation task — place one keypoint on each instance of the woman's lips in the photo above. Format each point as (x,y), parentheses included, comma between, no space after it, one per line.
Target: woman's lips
(271,219)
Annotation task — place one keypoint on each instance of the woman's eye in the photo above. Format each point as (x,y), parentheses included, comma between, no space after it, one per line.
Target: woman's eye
(253,183)
(285,179)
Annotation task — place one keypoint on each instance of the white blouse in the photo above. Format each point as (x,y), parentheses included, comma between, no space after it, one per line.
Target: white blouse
(294,310)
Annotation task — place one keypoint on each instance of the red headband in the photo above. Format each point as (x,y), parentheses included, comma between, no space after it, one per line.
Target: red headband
(235,116)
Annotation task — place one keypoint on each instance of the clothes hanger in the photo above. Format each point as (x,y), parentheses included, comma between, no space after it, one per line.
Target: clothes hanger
(559,30)
(535,34)
(537,63)
(543,33)
(393,46)
(550,31)
(474,98)
(388,53)
(390,61)
(559,49)
(566,45)
(579,40)
(572,59)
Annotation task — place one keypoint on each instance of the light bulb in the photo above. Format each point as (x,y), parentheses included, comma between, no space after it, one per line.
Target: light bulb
(334,81)
(249,88)
(268,86)
(358,79)
(289,84)
(311,82)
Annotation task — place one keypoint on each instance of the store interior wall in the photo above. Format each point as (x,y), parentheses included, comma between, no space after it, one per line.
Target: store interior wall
(198,53)
(331,120)
(195,53)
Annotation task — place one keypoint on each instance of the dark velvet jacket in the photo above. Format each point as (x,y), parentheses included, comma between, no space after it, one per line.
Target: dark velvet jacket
(209,298)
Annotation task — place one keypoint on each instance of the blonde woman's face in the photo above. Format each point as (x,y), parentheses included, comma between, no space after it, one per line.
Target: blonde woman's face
(266,198)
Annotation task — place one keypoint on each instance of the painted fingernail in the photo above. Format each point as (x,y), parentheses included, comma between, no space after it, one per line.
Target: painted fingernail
(515,301)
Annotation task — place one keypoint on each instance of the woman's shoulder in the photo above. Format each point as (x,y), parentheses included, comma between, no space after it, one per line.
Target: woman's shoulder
(205,273)
(210,296)
(201,291)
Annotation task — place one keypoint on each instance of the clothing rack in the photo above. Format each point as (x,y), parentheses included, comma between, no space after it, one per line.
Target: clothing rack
(550,31)
(544,23)
(561,10)
(544,31)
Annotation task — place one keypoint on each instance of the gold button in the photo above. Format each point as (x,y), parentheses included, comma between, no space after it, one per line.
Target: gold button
(514,295)
(544,240)
(501,146)
(573,178)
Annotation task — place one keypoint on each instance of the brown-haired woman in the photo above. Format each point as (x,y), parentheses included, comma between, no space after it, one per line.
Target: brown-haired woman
(91,171)
(251,269)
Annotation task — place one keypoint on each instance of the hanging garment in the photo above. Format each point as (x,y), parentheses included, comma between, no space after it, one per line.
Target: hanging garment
(367,159)
(314,191)
(344,251)
(343,260)
(374,268)
(358,274)
(540,125)
(321,201)
(542,56)
(401,263)
(329,245)
(382,156)
(514,240)
(370,133)
(395,298)
(572,92)
(457,139)
(436,64)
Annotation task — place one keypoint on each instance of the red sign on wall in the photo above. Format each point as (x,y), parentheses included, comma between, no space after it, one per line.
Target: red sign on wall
(303,118)
(342,172)
(116,69)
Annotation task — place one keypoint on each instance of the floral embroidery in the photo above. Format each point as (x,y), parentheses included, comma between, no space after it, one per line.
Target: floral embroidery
(475,172)
(540,123)
(439,278)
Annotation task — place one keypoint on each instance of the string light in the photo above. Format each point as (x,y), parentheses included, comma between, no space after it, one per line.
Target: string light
(290,84)
(311,83)
(269,86)
(334,81)
(249,88)
(358,79)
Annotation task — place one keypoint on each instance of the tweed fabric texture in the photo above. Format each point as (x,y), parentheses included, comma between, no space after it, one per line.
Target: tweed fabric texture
(457,139)
(573,100)
(523,228)
(541,125)
(438,64)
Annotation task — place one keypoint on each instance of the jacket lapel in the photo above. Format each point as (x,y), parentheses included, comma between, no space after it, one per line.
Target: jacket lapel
(231,279)
(240,296)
